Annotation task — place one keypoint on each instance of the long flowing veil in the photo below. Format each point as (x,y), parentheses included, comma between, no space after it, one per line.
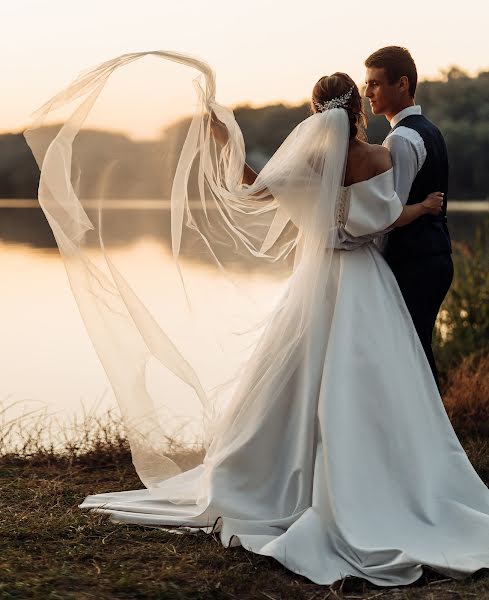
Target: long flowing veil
(193,336)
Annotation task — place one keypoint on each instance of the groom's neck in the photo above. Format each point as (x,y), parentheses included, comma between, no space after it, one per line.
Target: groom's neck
(401,105)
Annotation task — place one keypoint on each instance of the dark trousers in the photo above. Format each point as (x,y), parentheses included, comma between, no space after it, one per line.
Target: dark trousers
(424,283)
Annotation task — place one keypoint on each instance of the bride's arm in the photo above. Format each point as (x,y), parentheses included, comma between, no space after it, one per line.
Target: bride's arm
(221,135)
(431,205)
(249,175)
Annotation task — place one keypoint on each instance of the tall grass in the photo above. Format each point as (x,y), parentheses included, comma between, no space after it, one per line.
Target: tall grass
(467,396)
(463,323)
(94,439)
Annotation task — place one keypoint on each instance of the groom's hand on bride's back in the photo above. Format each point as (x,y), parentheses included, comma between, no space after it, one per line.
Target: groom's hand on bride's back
(433,203)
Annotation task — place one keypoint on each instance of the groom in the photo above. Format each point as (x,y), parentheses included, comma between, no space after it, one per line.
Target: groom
(420,253)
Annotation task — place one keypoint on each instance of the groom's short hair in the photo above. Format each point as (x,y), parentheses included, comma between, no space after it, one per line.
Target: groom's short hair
(397,62)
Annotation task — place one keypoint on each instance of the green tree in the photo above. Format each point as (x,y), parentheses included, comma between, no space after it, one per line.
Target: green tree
(457,103)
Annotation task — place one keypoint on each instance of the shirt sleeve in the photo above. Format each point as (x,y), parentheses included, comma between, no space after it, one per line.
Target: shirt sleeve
(405,163)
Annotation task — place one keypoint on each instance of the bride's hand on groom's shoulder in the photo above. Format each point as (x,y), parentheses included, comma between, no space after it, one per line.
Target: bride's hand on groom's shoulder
(433,203)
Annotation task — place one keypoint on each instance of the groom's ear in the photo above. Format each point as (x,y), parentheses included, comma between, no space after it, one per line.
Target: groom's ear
(404,85)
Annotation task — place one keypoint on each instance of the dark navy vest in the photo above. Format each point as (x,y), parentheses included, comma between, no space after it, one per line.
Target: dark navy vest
(427,235)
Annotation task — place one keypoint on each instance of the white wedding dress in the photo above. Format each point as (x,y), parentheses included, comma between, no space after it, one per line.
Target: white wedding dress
(354,469)
(333,454)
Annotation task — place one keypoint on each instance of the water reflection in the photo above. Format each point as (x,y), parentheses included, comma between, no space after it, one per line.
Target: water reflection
(47,358)
(23,222)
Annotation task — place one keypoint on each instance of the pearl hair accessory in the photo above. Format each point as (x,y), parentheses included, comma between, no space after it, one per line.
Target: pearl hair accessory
(339,102)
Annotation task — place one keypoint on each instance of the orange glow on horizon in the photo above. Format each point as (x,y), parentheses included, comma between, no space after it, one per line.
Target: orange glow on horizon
(261,55)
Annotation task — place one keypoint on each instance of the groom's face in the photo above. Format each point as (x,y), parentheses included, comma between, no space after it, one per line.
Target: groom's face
(382,95)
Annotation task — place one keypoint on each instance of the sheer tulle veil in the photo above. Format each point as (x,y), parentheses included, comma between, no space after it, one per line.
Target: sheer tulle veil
(281,225)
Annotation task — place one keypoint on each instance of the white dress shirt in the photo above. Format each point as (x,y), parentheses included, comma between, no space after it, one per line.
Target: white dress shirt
(407,150)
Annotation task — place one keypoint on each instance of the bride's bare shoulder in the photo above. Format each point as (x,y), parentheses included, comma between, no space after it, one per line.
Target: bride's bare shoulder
(380,159)
(366,161)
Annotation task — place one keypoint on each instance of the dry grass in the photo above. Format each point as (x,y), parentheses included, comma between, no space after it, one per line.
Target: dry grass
(467,397)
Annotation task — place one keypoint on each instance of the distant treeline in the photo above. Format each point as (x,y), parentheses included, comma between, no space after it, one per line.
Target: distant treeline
(457,103)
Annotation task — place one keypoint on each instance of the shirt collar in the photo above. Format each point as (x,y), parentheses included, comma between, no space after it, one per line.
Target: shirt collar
(406,112)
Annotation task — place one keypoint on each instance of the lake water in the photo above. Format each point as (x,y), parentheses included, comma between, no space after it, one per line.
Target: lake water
(47,360)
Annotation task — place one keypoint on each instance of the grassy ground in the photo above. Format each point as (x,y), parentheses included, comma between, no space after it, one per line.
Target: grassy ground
(49,549)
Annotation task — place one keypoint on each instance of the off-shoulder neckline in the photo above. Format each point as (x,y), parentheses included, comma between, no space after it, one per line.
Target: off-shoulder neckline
(346,187)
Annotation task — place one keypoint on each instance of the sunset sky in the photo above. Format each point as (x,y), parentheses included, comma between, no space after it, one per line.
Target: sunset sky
(262,50)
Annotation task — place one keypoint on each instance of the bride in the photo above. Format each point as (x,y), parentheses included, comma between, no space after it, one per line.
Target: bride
(332,452)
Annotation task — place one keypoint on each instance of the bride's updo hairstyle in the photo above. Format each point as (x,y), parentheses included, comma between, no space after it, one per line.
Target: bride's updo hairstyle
(334,86)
